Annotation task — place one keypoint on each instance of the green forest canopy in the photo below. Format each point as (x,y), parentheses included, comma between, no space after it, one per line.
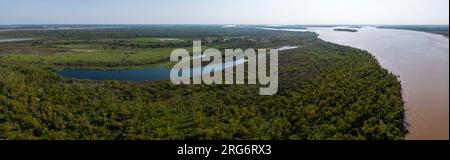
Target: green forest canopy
(326,91)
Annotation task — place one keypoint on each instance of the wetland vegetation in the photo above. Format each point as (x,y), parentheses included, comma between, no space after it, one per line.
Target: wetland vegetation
(345,30)
(436,29)
(327,91)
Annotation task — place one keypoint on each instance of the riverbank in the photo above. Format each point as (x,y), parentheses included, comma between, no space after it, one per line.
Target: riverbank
(435,29)
(421,62)
(326,91)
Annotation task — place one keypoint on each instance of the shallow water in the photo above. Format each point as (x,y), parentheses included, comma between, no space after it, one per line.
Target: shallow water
(15,40)
(285,48)
(140,74)
(56,28)
(422,62)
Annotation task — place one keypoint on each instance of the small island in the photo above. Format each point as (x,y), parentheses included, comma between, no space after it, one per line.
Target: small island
(345,30)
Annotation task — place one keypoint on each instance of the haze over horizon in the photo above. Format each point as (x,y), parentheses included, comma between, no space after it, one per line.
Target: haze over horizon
(401,12)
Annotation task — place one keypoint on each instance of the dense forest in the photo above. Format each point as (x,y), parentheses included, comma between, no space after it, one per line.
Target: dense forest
(327,91)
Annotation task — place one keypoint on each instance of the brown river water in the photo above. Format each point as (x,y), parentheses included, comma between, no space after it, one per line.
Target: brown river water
(421,60)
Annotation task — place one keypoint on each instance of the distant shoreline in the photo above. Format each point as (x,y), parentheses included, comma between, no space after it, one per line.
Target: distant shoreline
(434,29)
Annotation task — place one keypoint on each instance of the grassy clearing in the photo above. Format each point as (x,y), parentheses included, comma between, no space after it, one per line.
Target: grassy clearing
(92,55)
(96,55)
(89,57)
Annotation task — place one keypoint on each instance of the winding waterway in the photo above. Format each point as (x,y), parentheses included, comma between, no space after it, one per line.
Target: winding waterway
(421,60)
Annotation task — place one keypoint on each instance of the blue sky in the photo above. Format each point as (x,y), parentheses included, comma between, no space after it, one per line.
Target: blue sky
(224,12)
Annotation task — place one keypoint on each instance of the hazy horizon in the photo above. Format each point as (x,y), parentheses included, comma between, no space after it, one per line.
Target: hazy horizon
(258,12)
(112,24)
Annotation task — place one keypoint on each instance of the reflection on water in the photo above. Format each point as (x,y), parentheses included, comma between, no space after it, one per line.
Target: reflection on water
(285,48)
(53,28)
(15,40)
(198,71)
(141,74)
(422,62)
